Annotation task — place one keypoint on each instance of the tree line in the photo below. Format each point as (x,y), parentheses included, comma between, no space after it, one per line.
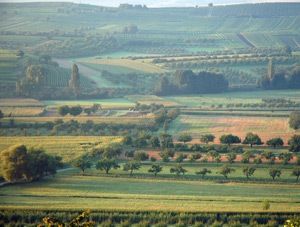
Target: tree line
(188,82)
(106,164)
(164,140)
(283,79)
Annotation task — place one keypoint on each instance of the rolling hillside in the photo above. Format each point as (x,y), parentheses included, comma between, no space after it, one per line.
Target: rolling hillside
(66,29)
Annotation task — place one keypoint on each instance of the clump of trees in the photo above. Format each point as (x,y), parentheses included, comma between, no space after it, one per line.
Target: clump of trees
(248,171)
(18,163)
(207,138)
(252,139)
(107,164)
(188,82)
(203,172)
(77,110)
(274,173)
(294,120)
(32,81)
(229,139)
(155,169)
(285,79)
(178,169)
(294,143)
(1,114)
(131,166)
(83,163)
(226,170)
(275,142)
(185,138)
(74,110)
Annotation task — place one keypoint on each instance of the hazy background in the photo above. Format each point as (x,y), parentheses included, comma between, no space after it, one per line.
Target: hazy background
(157,3)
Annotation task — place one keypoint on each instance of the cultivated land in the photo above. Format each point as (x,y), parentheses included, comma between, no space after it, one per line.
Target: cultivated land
(118,103)
(266,127)
(69,191)
(234,40)
(136,66)
(122,54)
(68,147)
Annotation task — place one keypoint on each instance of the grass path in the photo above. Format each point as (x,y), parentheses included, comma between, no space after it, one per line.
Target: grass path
(91,74)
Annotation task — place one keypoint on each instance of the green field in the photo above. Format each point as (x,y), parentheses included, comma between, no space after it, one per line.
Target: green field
(209,100)
(68,147)
(234,98)
(68,190)
(110,68)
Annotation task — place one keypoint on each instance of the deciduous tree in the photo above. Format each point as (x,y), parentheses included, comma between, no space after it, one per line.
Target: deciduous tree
(185,138)
(207,138)
(294,143)
(63,110)
(229,139)
(252,139)
(155,169)
(131,166)
(107,164)
(141,156)
(296,173)
(83,163)
(225,171)
(203,172)
(178,169)
(274,173)
(294,120)
(275,142)
(248,171)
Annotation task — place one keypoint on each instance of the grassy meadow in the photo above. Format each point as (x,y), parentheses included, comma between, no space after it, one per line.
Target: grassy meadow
(70,190)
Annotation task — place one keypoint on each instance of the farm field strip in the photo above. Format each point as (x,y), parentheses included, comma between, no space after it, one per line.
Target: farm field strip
(80,192)
(22,111)
(251,113)
(69,147)
(128,63)
(105,103)
(265,127)
(113,120)
(149,99)
(207,100)
(20,102)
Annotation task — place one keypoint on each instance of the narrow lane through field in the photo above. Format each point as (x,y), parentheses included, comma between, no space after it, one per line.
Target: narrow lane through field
(89,73)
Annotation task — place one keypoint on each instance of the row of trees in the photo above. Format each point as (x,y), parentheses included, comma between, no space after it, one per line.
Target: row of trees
(107,164)
(215,156)
(18,163)
(77,110)
(164,140)
(250,139)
